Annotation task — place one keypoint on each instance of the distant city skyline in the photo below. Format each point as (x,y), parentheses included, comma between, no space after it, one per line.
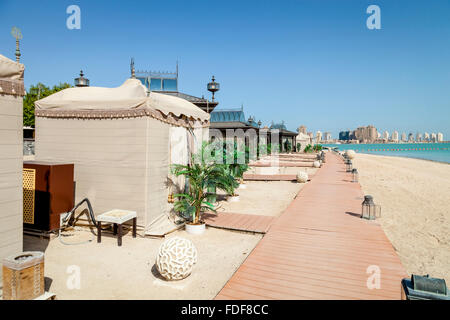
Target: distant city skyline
(370,134)
(311,62)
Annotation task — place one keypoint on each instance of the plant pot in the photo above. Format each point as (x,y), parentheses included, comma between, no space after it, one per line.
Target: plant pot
(234,198)
(195,228)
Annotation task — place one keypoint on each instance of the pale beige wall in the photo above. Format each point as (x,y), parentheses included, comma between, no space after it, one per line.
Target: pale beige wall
(158,169)
(11,155)
(109,155)
(119,163)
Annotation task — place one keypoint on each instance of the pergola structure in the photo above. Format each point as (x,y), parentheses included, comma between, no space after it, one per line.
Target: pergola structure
(234,119)
(287,137)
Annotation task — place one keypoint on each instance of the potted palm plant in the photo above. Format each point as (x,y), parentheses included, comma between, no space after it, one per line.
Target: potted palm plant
(200,174)
(236,170)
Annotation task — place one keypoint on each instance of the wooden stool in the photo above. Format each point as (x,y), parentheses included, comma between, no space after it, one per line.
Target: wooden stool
(117,217)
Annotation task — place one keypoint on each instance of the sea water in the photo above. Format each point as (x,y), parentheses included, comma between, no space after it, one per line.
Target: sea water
(428,151)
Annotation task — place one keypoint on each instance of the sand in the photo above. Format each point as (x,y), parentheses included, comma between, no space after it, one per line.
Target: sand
(266,198)
(414,197)
(111,272)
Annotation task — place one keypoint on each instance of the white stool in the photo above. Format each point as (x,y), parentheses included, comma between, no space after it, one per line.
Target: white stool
(117,217)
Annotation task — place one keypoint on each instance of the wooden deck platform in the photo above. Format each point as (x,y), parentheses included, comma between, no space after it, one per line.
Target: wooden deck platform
(304,164)
(320,248)
(239,222)
(270,177)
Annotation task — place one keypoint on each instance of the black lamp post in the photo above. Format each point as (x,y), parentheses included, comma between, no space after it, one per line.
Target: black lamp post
(213,87)
(81,81)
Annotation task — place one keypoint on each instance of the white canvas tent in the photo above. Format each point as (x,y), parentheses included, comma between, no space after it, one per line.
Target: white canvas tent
(122,142)
(11,157)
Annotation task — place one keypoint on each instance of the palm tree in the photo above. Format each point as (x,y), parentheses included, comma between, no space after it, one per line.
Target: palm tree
(308,148)
(201,173)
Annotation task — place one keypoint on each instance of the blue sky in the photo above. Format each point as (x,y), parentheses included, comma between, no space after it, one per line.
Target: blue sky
(305,62)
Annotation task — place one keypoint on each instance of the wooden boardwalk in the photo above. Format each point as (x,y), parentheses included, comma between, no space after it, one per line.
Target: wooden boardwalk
(239,222)
(320,248)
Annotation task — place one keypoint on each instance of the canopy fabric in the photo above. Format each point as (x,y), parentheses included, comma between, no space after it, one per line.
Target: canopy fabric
(131,95)
(10,70)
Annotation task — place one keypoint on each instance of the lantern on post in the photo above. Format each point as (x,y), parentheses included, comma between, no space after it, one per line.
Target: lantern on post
(213,87)
(349,165)
(355,175)
(370,210)
(81,81)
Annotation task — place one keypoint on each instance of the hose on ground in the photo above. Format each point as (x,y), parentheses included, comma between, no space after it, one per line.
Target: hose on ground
(69,214)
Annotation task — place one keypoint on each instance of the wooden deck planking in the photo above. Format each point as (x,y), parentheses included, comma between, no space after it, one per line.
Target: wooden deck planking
(320,248)
(241,222)
(304,164)
(269,177)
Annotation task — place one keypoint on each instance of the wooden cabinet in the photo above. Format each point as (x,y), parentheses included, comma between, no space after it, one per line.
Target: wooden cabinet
(48,191)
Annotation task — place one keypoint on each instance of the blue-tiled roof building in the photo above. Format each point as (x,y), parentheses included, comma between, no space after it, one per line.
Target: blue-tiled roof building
(232,118)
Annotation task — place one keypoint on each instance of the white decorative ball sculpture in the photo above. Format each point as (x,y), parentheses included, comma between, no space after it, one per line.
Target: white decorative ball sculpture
(302,176)
(316,164)
(350,154)
(176,258)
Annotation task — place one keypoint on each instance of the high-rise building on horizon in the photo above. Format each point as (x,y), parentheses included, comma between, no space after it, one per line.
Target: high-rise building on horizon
(403,137)
(366,134)
(433,137)
(410,137)
(318,136)
(327,136)
(440,137)
(395,136)
(426,136)
(419,137)
(386,135)
(344,135)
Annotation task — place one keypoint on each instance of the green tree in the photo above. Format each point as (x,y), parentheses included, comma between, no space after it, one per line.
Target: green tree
(37,92)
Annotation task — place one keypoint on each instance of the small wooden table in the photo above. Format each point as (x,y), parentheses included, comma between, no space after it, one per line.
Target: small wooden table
(117,217)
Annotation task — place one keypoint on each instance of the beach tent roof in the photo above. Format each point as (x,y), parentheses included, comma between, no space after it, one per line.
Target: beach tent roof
(10,70)
(131,95)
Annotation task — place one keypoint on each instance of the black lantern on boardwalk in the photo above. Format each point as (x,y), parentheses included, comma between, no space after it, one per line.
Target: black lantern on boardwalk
(81,81)
(349,165)
(370,210)
(322,157)
(355,175)
(213,87)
